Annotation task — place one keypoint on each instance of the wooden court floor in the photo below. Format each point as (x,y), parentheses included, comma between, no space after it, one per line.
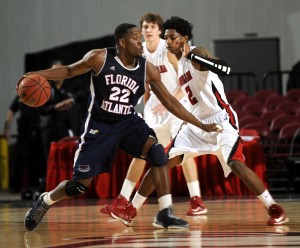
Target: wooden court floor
(232,222)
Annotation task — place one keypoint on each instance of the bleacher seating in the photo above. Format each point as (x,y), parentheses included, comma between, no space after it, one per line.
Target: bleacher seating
(270,113)
(263,95)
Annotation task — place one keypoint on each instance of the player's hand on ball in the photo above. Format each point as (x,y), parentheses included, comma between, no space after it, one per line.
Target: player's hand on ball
(219,128)
(34,90)
(212,127)
(20,80)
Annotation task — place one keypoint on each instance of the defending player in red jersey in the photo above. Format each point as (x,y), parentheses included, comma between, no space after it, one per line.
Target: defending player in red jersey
(197,72)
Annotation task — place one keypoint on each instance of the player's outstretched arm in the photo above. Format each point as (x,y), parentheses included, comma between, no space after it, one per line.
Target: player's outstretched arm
(172,104)
(92,61)
(202,56)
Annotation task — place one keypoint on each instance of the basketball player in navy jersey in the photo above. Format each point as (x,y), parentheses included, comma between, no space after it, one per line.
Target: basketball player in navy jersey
(118,78)
(165,124)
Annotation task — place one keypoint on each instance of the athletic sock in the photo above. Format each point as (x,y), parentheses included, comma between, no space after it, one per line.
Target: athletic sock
(266,199)
(127,188)
(138,200)
(47,199)
(165,201)
(194,188)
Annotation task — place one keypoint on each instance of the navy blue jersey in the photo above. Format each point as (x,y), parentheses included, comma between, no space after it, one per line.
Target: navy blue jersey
(116,89)
(112,123)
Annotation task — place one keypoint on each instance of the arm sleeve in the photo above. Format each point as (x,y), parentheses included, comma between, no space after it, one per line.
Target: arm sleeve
(217,66)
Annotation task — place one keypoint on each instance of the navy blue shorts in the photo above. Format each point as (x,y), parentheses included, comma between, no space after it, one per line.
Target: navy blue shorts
(101,140)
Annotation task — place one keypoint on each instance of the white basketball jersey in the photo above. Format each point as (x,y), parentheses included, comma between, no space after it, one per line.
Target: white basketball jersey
(164,124)
(160,59)
(204,90)
(206,94)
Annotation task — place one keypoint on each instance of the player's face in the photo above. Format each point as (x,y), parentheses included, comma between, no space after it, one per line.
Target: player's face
(134,42)
(174,41)
(150,31)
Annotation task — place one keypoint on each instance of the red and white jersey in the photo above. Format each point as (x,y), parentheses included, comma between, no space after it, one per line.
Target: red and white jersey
(205,92)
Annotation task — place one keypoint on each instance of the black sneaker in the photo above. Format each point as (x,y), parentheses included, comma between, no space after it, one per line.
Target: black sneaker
(34,215)
(166,219)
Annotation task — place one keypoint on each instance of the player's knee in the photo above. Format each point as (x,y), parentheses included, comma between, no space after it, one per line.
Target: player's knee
(156,155)
(237,167)
(74,188)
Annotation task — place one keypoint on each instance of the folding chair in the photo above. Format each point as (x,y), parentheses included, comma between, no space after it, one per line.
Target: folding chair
(277,154)
(233,95)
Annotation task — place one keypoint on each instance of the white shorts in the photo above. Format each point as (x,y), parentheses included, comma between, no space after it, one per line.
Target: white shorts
(166,125)
(193,142)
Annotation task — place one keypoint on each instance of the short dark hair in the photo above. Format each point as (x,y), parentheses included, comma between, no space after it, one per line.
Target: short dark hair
(122,30)
(182,26)
(152,18)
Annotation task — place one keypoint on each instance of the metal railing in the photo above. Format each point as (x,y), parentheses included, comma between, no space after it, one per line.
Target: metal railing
(278,80)
(248,82)
(245,81)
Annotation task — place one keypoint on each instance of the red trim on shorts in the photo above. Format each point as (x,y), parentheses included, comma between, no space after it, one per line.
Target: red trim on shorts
(237,151)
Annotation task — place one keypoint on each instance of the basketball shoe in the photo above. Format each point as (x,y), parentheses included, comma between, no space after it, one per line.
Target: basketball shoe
(277,216)
(34,215)
(125,214)
(197,206)
(119,202)
(166,219)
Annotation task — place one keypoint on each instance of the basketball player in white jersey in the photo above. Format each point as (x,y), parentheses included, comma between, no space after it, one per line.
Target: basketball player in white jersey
(197,73)
(165,124)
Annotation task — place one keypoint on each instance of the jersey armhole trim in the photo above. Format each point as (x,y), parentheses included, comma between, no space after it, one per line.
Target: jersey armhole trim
(96,74)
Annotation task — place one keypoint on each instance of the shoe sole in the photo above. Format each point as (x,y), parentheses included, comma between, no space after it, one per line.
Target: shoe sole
(126,223)
(197,213)
(110,213)
(285,220)
(158,225)
(169,227)
(28,228)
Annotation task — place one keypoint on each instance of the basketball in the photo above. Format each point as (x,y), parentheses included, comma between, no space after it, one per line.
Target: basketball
(34,90)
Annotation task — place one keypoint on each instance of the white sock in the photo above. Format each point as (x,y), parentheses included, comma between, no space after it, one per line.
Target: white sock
(194,188)
(138,200)
(127,189)
(47,199)
(266,199)
(165,201)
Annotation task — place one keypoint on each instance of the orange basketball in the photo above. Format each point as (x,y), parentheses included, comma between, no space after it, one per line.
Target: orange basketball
(34,90)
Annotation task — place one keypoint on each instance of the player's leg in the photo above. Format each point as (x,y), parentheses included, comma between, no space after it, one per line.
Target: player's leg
(86,166)
(155,178)
(65,189)
(232,151)
(190,172)
(134,173)
(254,183)
(137,167)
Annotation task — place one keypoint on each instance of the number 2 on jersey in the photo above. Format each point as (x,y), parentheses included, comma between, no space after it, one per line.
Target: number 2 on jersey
(189,92)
